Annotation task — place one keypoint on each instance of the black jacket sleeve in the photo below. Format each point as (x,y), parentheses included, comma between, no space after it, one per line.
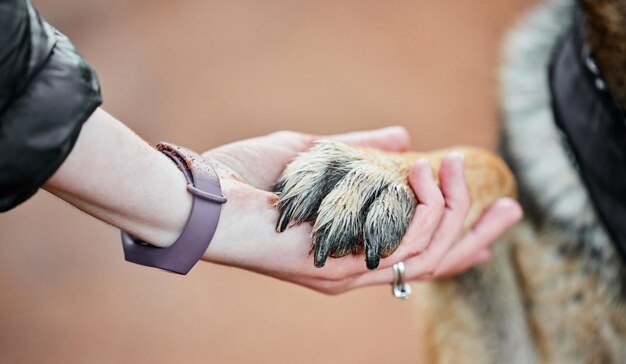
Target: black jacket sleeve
(47,91)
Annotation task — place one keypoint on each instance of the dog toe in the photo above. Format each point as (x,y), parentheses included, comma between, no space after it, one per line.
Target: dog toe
(308,179)
(342,214)
(387,220)
(356,199)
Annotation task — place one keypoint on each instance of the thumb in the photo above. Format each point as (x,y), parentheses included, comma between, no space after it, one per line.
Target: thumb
(393,138)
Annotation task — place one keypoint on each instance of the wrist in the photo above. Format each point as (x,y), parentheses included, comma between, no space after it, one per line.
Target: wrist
(162,228)
(115,176)
(203,184)
(247,218)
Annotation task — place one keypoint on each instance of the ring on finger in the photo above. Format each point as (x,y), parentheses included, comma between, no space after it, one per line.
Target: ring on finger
(400,289)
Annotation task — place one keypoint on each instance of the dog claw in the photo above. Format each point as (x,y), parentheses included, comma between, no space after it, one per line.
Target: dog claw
(283,222)
(307,180)
(321,254)
(387,219)
(372,257)
(355,204)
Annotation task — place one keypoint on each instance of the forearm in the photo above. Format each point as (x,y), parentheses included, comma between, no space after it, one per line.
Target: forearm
(113,175)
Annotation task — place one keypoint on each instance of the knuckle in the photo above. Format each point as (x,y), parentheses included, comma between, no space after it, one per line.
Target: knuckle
(428,271)
(286,134)
(463,202)
(437,201)
(434,202)
(417,247)
(460,203)
(427,274)
(293,137)
(420,248)
(334,276)
(330,289)
(333,292)
(322,289)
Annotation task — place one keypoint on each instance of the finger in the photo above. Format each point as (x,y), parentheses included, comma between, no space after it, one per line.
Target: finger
(419,232)
(425,221)
(473,249)
(456,196)
(372,278)
(430,209)
(495,220)
(350,267)
(483,256)
(412,273)
(393,138)
(480,258)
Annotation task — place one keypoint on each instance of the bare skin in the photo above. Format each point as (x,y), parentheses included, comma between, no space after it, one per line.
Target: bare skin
(360,199)
(113,175)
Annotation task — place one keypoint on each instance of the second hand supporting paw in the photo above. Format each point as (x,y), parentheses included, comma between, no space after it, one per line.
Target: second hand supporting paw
(359,199)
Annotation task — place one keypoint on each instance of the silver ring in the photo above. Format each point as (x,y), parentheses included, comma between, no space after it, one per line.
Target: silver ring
(400,289)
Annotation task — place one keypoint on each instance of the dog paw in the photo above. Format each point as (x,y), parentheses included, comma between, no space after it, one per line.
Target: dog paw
(358,199)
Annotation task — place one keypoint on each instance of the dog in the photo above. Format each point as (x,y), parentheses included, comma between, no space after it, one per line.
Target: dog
(554,290)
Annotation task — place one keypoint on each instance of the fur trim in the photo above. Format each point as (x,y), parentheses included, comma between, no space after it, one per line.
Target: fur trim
(533,143)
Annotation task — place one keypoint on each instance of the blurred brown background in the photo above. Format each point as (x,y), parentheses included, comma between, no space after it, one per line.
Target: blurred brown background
(203,73)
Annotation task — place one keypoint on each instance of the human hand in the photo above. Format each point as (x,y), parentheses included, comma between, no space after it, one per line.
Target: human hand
(260,161)
(437,225)
(246,237)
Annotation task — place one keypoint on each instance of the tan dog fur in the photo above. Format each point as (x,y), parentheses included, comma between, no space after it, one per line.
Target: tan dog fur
(554,290)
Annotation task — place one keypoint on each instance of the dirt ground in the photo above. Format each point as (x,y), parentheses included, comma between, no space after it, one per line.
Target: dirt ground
(203,73)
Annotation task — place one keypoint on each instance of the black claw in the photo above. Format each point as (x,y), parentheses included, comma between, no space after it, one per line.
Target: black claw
(308,179)
(284,218)
(387,221)
(354,205)
(279,187)
(372,255)
(321,254)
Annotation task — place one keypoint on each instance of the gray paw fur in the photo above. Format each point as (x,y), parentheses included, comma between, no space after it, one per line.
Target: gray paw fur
(354,204)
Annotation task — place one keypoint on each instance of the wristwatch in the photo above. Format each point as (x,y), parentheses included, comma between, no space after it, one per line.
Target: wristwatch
(204,185)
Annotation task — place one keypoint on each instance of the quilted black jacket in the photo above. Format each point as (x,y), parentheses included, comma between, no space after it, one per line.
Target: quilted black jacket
(47,91)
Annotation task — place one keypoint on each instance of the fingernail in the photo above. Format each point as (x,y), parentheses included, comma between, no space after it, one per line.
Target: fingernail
(457,155)
(393,128)
(421,166)
(387,130)
(422,162)
(507,202)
